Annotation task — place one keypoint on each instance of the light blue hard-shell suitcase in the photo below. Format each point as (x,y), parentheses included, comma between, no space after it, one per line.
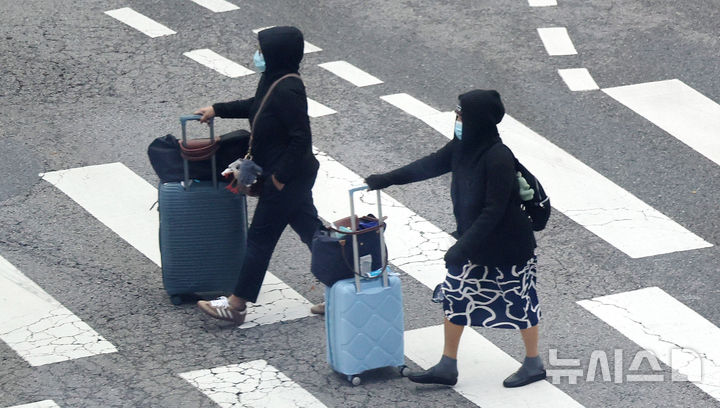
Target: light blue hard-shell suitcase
(364,317)
(203,233)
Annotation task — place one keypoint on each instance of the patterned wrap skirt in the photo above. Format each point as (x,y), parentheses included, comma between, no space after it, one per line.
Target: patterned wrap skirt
(477,295)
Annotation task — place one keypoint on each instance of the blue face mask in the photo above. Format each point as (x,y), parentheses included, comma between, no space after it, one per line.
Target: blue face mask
(458,130)
(259,61)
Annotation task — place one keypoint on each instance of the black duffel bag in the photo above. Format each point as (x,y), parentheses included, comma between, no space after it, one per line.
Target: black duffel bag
(332,250)
(165,158)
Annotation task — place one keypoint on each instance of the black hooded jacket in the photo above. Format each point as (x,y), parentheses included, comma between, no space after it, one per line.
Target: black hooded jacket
(492,229)
(282,142)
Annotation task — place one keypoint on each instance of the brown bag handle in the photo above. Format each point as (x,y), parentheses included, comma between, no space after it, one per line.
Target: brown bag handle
(248,156)
(198,149)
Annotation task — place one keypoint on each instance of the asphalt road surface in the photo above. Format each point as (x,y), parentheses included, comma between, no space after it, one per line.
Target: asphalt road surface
(613,105)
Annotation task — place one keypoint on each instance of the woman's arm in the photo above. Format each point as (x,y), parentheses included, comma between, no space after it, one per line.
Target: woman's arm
(234,109)
(432,165)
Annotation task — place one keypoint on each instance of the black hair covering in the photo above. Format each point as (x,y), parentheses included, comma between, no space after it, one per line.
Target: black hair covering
(481,110)
(282,48)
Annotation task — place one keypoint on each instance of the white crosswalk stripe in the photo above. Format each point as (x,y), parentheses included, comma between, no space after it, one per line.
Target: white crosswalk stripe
(678,109)
(217,6)
(673,332)
(39,328)
(255,384)
(350,73)
(125,205)
(557,41)
(39,404)
(542,3)
(578,79)
(607,210)
(144,24)
(317,109)
(217,62)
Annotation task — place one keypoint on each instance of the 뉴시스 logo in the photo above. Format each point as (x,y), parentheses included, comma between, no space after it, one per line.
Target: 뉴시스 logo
(688,363)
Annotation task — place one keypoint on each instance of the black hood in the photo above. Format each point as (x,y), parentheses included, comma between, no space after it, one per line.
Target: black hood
(481,110)
(282,48)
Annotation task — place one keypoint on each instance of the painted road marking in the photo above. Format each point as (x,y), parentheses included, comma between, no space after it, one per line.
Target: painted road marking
(254,384)
(410,105)
(139,22)
(218,63)
(39,404)
(38,327)
(308,47)
(476,382)
(118,198)
(606,209)
(674,333)
(542,3)
(578,79)
(678,109)
(316,109)
(431,116)
(351,73)
(311,48)
(123,201)
(216,6)
(557,41)
(277,302)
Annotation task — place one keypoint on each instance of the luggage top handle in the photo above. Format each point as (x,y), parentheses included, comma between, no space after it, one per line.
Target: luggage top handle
(183,121)
(353,228)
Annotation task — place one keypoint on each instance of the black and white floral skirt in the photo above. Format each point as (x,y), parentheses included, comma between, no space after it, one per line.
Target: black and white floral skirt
(476,295)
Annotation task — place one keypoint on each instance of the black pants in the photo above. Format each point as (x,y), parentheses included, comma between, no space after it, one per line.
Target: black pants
(274,211)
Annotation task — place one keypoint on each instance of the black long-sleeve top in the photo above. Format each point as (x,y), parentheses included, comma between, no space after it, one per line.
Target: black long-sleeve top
(282,140)
(492,229)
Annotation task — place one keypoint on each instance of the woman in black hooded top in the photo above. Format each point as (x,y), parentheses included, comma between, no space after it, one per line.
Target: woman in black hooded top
(282,146)
(490,279)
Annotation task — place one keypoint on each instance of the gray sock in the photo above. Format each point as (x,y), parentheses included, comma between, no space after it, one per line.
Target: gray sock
(532,365)
(447,367)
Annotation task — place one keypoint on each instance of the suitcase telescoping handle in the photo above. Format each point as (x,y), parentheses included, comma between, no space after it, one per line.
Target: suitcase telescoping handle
(183,122)
(353,227)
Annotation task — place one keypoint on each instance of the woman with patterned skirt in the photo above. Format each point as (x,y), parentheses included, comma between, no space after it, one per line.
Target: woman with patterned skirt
(491,269)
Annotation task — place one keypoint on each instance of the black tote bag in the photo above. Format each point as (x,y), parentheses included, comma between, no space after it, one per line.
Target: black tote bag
(332,256)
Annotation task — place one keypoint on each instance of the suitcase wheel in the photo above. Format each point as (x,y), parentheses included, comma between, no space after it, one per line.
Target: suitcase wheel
(354,380)
(404,370)
(176,300)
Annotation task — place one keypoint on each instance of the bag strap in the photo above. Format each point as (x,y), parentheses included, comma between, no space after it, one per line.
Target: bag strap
(249,156)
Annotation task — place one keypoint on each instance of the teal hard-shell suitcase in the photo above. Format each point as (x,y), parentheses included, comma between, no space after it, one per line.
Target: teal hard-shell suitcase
(203,233)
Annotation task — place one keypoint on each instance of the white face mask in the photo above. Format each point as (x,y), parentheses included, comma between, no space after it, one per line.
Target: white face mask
(458,129)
